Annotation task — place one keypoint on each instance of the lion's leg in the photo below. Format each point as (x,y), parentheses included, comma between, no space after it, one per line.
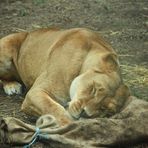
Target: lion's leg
(12,87)
(37,102)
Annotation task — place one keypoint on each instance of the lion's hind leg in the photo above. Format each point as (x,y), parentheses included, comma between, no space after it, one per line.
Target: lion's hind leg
(12,88)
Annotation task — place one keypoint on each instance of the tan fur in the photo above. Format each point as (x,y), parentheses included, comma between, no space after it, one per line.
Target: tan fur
(62,66)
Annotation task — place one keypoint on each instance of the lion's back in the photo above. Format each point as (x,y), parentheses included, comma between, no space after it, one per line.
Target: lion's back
(56,51)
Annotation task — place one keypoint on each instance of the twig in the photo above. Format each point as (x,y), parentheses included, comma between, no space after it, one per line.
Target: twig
(125,55)
(19,30)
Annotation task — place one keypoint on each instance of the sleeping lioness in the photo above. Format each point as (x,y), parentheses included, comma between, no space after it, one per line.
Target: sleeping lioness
(60,68)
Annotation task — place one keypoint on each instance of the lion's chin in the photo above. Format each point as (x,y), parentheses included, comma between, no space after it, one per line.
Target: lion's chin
(85,114)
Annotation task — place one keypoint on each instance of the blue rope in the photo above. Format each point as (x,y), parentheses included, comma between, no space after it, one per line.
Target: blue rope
(36,134)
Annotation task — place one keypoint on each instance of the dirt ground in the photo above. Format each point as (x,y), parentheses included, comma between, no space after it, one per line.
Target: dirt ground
(124,23)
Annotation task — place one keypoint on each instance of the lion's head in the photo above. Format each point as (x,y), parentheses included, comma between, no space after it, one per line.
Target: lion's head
(98,93)
(97,99)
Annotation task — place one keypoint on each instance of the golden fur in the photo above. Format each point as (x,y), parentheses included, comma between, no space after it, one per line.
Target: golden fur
(61,67)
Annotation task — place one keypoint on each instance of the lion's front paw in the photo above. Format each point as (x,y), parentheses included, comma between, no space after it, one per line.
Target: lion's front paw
(75,108)
(12,88)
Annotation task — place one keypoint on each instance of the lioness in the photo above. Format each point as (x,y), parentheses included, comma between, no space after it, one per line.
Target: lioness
(73,67)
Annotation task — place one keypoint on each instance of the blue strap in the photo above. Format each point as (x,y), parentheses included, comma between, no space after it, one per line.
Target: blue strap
(36,134)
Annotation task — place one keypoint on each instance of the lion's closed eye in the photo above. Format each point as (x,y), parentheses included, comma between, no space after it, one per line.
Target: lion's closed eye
(93,91)
(97,92)
(98,89)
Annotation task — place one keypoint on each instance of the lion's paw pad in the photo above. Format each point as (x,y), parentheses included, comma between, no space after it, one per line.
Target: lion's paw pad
(12,88)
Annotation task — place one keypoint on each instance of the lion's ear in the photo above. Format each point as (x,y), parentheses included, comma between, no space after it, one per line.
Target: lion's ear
(122,91)
(111,62)
(122,94)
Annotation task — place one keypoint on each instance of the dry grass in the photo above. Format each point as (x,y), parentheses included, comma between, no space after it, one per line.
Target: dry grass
(135,75)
